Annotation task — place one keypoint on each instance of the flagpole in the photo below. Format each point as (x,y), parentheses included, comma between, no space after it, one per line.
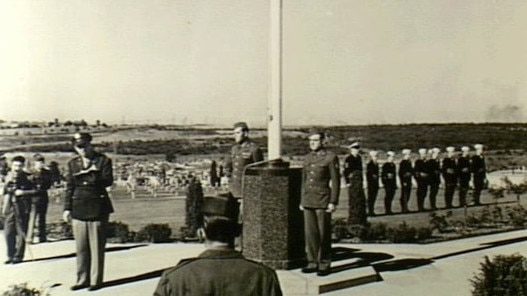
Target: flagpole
(274,125)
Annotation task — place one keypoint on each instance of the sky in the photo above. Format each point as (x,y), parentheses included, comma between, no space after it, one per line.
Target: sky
(195,61)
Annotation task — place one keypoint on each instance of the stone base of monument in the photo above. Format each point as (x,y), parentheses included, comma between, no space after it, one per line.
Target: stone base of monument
(342,277)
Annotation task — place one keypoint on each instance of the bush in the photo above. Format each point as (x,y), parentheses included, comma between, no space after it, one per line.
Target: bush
(155,233)
(503,275)
(59,230)
(403,234)
(24,290)
(517,215)
(118,232)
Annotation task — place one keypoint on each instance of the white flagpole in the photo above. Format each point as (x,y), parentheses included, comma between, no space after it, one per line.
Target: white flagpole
(274,126)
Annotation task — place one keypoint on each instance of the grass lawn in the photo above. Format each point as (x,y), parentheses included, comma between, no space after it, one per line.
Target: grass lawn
(171,210)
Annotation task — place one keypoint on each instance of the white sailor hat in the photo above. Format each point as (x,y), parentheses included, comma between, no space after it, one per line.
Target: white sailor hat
(436,150)
(355,145)
(465,148)
(478,146)
(422,151)
(450,149)
(373,153)
(390,153)
(406,151)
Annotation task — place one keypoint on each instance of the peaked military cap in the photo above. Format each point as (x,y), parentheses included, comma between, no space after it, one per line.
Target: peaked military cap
(241,124)
(81,138)
(355,145)
(316,131)
(224,205)
(38,157)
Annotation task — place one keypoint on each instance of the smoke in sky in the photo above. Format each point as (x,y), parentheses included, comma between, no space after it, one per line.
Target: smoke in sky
(505,113)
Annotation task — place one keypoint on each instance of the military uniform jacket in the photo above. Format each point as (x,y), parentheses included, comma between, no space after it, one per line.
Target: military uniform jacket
(406,171)
(372,173)
(18,181)
(388,175)
(463,168)
(353,168)
(219,272)
(321,168)
(420,171)
(42,180)
(433,168)
(449,170)
(240,156)
(478,166)
(86,195)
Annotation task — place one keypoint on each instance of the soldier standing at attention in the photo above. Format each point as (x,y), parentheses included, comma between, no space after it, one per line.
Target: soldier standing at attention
(479,172)
(219,270)
(449,171)
(406,171)
(88,206)
(464,170)
(421,177)
(243,152)
(372,178)
(42,179)
(389,181)
(320,196)
(434,172)
(354,181)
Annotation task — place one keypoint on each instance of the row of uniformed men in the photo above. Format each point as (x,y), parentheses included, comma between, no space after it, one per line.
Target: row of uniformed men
(426,170)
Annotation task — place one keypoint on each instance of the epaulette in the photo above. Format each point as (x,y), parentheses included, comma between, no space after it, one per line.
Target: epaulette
(180,264)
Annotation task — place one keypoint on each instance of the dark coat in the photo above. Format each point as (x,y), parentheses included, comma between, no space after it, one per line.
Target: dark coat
(320,169)
(240,156)
(464,169)
(388,175)
(372,173)
(86,195)
(433,168)
(353,168)
(449,170)
(420,171)
(406,171)
(478,166)
(218,272)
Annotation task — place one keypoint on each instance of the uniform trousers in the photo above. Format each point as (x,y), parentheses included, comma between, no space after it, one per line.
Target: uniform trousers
(373,189)
(434,189)
(389,193)
(406,189)
(15,229)
(422,189)
(90,241)
(449,193)
(463,190)
(317,226)
(478,187)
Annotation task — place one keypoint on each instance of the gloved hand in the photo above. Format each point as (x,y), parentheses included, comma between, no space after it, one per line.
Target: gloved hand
(66,216)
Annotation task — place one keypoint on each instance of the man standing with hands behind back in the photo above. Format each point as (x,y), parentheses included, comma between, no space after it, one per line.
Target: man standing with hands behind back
(88,206)
(320,193)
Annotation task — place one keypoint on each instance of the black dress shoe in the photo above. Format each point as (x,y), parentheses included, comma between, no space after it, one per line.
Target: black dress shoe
(16,261)
(324,272)
(308,269)
(8,261)
(94,288)
(78,287)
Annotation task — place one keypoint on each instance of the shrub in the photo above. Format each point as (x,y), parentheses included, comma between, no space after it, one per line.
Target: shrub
(517,215)
(60,230)
(118,232)
(440,222)
(155,233)
(503,275)
(403,234)
(24,290)
(375,232)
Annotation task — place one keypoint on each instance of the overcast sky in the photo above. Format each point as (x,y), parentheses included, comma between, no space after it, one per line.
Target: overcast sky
(190,61)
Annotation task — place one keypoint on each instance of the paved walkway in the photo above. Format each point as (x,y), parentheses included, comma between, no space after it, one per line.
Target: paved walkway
(406,269)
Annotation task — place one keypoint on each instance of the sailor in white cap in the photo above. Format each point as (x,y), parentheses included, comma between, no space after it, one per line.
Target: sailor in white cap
(372,179)
(421,177)
(354,181)
(479,172)
(449,171)
(434,171)
(406,172)
(464,172)
(389,182)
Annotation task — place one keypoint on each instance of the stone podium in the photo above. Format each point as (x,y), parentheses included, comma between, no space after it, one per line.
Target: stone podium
(273,231)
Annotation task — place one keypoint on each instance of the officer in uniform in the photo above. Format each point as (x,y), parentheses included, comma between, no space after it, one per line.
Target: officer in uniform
(219,270)
(433,166)
(320,196)
(354,181)
(449,171)
(421,177)
(479,172)
(243,152)
(88,206)
(18,191)
(372,179)
(389,181)
(464,171)
(406,171)
(42,179)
